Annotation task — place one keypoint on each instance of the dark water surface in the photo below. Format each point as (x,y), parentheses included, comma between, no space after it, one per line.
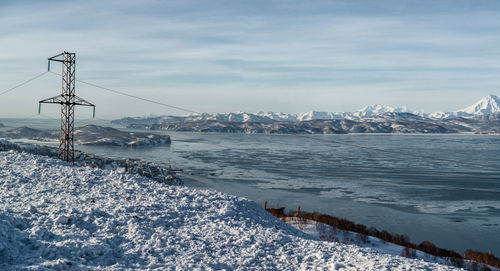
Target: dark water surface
(441,188)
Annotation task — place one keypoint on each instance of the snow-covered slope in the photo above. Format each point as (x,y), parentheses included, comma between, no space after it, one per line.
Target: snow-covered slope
(440,115)
(92,135)
(487,105)
(30,133)
(377,109)
(329,233)
(278,116)
(314,115)
(54,216)
(98,135)
(264,116)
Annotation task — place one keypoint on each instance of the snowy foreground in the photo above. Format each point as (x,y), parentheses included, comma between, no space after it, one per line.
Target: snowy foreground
(56,216)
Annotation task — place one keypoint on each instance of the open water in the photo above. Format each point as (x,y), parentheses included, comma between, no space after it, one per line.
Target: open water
(441,188)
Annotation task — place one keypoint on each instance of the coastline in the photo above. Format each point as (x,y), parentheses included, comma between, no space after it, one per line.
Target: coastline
(83,218)
(360,212)
(333,198)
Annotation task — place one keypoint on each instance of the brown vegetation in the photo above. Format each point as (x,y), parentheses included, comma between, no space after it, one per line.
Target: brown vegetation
(486,258)
(403,240)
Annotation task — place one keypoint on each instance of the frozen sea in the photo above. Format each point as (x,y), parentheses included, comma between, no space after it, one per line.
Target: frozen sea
(441,188)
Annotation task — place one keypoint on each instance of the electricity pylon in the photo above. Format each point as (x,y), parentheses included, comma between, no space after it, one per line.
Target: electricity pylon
(67,100)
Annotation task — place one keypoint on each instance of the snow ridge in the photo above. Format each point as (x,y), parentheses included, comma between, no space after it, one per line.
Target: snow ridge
(378,109)
(55,216)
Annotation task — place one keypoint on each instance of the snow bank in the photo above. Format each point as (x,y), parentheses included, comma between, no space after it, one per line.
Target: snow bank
(55,216)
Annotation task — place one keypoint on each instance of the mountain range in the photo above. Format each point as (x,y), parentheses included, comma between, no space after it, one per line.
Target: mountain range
(481,117)
(488,105)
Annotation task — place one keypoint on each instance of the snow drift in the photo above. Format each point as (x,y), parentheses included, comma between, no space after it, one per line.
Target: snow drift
(55,216)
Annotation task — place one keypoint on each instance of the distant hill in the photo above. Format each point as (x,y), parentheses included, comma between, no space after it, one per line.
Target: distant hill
(91,135)
(487,105)
(481,117)
(383,123)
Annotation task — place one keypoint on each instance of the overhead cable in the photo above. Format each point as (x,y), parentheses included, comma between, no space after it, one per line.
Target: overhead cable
(134,96)
(331,141)
(22,84)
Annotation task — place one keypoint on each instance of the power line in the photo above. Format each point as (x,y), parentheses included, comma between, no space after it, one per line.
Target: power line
(334,141)
(134,96)
(22,84)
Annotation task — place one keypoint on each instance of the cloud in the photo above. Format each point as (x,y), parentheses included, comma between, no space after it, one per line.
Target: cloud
(193,53)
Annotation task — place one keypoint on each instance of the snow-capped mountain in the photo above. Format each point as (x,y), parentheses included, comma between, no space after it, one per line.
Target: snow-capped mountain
(487,105)
(367,111)
(378,109)
(235,117)
(278,116)
(440,115)
(314,115)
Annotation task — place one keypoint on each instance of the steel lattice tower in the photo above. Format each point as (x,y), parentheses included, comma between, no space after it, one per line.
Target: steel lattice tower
(67,100)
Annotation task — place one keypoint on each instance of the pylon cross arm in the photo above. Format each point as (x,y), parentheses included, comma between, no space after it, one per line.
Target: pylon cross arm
(53,100)
(55,58)
(80,101)
(59,99)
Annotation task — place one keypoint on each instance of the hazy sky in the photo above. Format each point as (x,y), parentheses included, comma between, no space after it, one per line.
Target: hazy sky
(219,56)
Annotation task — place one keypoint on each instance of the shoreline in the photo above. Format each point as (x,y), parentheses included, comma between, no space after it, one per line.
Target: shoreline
(316,134)
(58,216)
(205,182)
(453,258)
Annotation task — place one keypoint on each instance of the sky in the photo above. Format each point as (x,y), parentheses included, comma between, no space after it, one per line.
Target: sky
(223,56)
